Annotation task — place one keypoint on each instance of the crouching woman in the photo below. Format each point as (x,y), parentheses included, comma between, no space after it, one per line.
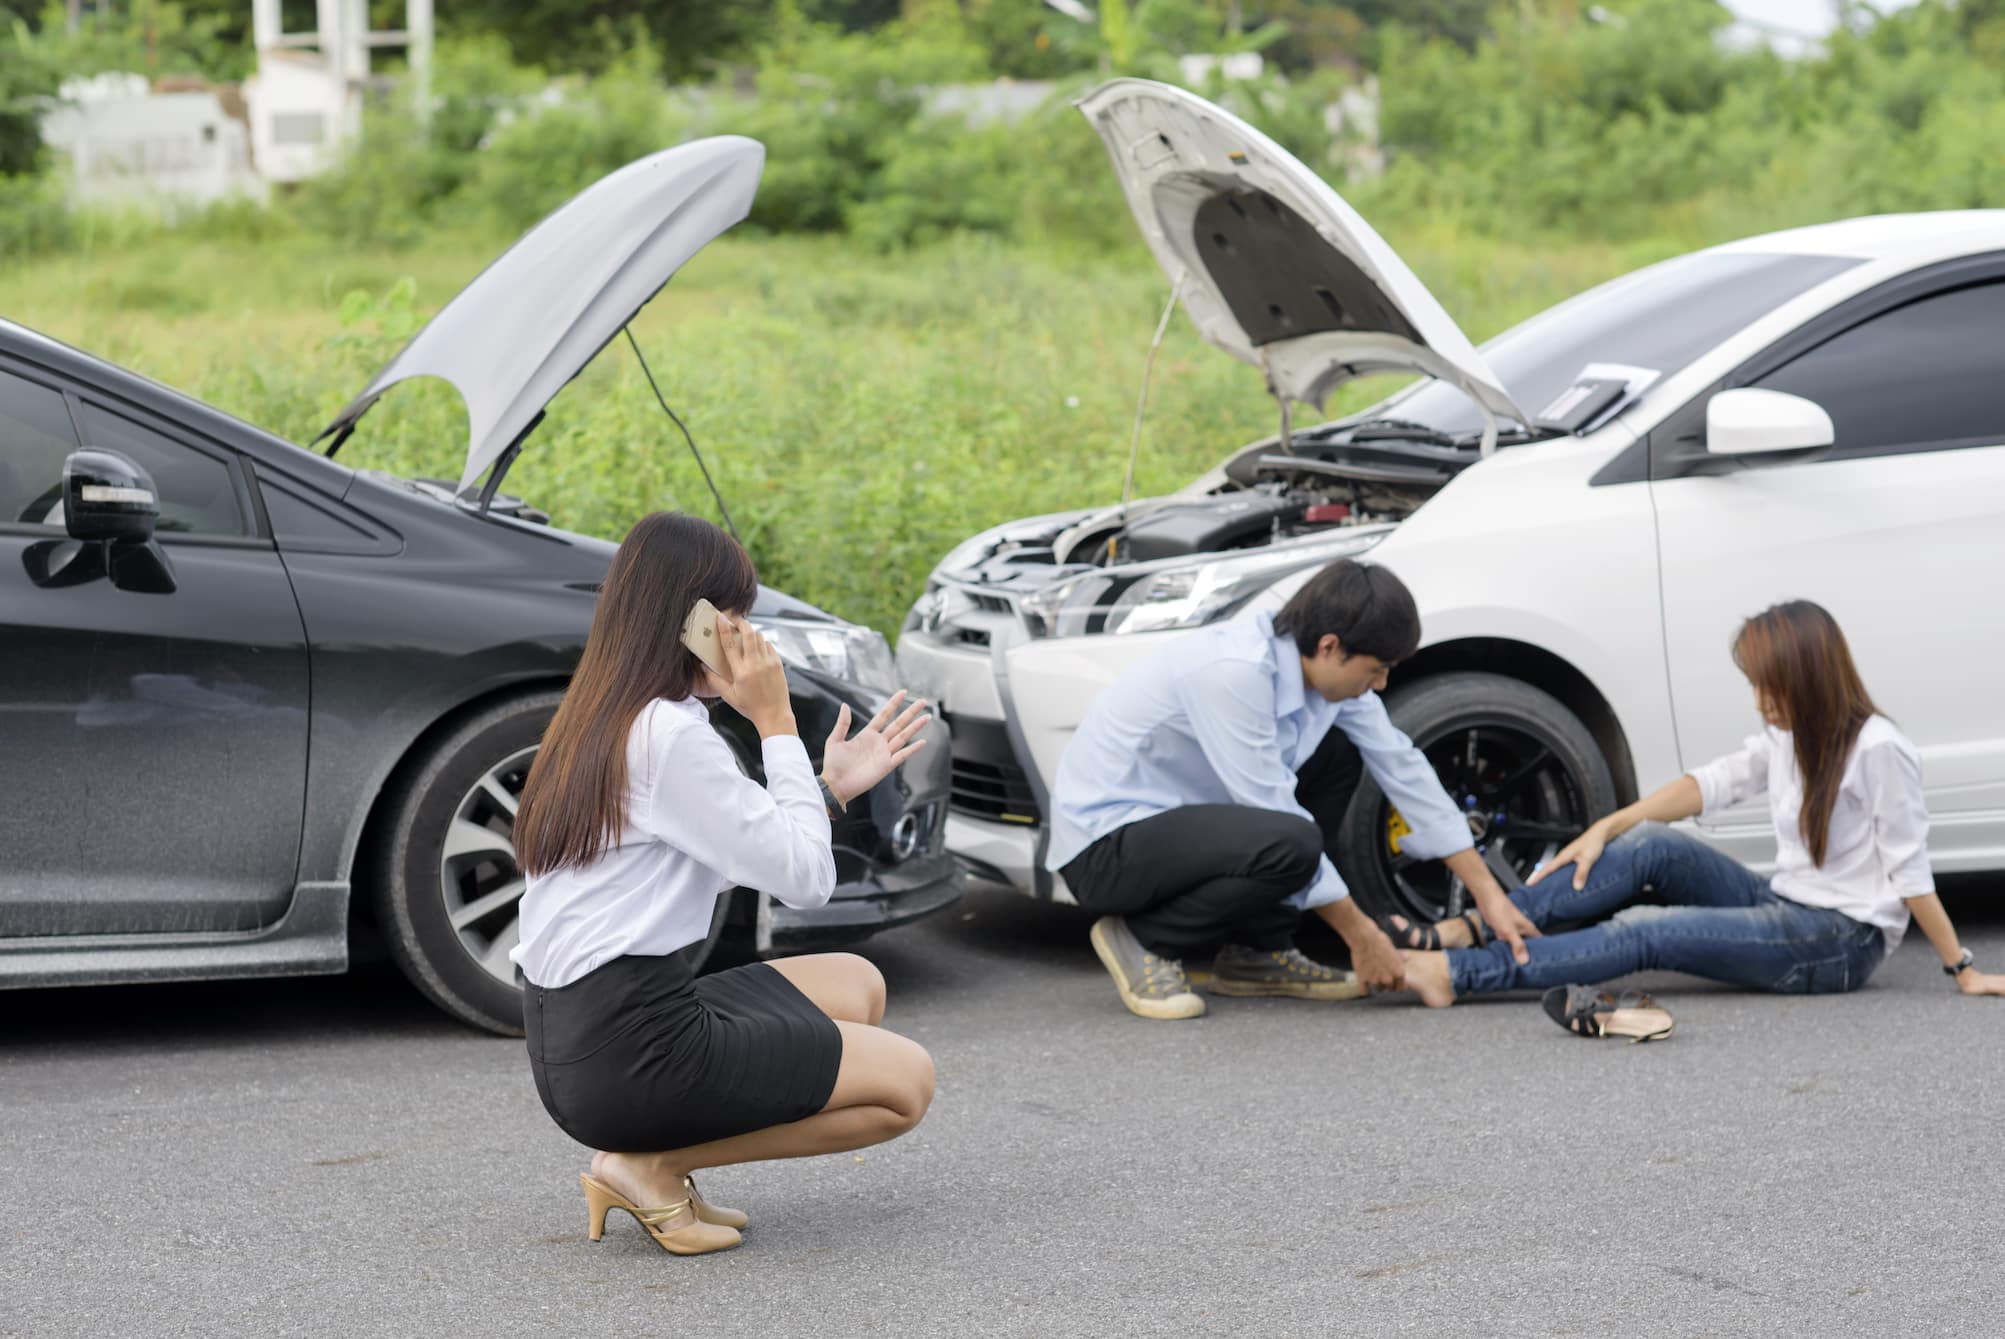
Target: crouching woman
(634,819)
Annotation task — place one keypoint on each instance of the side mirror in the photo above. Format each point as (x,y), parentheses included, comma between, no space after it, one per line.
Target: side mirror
(106,496)
(109,499)
(1753,422)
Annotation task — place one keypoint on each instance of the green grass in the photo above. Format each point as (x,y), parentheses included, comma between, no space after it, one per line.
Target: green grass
(861,413)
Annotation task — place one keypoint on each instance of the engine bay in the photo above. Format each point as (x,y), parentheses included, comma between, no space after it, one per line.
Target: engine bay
(1326,480)
(1272,495)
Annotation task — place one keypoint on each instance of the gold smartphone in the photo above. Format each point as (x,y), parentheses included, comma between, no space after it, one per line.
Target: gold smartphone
(699,634)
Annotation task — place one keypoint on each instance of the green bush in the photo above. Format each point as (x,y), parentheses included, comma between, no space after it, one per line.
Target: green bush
(33,216)
(541,155)
(834,110)
(941,177)
(394,185)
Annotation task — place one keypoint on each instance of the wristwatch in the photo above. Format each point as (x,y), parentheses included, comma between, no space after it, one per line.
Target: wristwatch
(1966,960)
(828,796)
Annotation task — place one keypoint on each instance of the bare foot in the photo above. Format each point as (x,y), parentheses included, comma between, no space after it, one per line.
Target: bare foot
(1454,932)
(641,1179)
(1427,976)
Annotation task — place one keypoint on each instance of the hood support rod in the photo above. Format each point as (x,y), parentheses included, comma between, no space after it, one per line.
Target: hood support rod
(1141,407)
(1287,435)
(722,510)
(503,461)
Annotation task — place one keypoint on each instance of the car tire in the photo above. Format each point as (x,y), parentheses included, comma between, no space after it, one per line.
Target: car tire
(418,893)
(416,907)
(1518,736)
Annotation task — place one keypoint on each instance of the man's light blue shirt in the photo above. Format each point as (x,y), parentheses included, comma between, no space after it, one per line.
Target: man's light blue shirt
(1223,717)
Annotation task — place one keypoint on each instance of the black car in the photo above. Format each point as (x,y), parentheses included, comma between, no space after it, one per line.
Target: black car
(249,694)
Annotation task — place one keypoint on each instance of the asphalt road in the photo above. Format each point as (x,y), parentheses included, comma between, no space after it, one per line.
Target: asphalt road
(329,1157)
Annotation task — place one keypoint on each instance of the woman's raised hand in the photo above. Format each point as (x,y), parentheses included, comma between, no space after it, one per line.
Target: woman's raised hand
(758,687)
(853,765)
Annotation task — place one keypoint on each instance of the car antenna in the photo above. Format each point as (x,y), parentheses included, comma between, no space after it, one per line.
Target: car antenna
(722,510)
(1141,405)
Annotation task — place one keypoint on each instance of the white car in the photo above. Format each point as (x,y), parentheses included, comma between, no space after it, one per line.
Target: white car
(1585,510)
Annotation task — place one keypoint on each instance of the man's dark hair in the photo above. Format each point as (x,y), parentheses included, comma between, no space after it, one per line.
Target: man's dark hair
(1369,609)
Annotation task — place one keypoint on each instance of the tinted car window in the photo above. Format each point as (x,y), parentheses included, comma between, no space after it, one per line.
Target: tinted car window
(35,438)
(306,525)
(197,494)
(1661,317)
(1931,373)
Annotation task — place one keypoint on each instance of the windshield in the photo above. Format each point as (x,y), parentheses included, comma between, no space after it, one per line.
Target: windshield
(1661,317)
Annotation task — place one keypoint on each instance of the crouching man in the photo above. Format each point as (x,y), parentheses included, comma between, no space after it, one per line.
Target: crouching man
(1196,807)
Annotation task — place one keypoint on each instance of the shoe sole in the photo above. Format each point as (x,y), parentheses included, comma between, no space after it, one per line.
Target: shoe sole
(1159,1010)
(1322,990)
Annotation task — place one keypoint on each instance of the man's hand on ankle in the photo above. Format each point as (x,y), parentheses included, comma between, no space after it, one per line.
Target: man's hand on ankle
(1373,957)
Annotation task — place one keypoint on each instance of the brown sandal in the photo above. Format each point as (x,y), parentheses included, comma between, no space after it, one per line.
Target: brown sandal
(695,1237)
(1588,1011)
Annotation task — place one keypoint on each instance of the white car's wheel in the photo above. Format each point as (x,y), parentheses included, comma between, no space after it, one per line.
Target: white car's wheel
(1525,770)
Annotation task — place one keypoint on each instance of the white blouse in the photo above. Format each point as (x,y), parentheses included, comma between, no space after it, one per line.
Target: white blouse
(695,826)
(1877,850)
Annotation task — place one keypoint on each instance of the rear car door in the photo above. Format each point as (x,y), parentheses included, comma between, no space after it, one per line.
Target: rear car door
(1898,530)
(152,745)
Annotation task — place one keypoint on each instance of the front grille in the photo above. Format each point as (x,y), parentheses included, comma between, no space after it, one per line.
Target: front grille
(994,604)
(987,782)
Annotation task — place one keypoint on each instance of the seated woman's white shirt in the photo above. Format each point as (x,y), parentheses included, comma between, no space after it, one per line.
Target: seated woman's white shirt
(695,826)
(1876,853)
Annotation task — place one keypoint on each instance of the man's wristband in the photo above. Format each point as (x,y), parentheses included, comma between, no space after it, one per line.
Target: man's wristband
(1957,968)
(828,796)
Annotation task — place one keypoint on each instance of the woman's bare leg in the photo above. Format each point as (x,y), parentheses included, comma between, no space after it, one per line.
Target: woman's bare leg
(882,1090)
(844,986)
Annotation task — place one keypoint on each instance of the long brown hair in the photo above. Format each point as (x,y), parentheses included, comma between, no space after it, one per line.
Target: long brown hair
(1797,660)
(574,801)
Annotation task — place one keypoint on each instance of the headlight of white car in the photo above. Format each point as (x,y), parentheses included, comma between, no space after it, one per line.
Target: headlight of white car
(1181,594)
(838,650)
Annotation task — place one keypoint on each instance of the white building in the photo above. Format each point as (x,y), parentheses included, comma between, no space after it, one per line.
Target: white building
(301,114)
(127,145)
(306,98)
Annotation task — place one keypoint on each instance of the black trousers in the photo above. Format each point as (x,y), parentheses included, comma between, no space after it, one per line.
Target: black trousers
(1204,875)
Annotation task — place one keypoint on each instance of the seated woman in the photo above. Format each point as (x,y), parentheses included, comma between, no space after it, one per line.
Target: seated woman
(634,819)
(1845,795)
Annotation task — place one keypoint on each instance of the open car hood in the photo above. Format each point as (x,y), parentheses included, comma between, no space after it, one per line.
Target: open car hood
(1277,270)
(529,322)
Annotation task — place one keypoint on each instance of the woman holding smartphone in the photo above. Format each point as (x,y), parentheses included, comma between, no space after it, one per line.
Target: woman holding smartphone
(634,819)
(1844,792)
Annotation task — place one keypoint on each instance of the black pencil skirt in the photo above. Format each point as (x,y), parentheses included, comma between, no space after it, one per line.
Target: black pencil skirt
(640,1056)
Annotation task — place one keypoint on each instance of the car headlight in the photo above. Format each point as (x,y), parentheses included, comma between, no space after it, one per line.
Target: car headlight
(838,650)
(1151,597)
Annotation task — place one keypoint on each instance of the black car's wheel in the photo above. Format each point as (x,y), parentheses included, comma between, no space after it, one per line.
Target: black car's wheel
(448,889)
(1523,768)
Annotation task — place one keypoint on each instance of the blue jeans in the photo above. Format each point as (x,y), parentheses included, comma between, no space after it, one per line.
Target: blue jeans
(1667,901)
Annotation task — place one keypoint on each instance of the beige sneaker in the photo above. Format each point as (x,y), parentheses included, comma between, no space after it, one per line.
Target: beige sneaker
(1245,971)
(1151,986)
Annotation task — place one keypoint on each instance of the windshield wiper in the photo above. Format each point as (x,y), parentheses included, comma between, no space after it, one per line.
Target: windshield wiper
(1400,429)
(1505,437)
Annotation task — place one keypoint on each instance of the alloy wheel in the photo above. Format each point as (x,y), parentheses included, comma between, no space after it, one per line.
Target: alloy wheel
(479,878)
(1521,799)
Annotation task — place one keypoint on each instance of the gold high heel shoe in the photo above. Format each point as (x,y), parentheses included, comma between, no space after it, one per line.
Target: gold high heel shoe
(692,1238)
(712,1213)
